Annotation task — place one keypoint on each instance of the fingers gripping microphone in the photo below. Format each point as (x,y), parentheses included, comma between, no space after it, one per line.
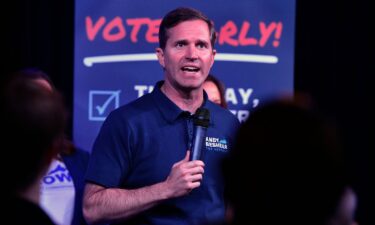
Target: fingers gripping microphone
(201,121)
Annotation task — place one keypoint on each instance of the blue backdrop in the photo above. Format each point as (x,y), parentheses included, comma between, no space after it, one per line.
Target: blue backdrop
(115,59)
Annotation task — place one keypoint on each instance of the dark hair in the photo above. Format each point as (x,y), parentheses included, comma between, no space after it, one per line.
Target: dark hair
(292,162)
(175,17)
(32,74)
(33,125)
(220,87)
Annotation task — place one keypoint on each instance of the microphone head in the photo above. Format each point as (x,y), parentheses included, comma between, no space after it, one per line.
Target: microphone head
(202,117)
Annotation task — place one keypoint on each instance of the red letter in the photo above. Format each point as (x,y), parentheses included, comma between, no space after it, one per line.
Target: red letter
(115,23)
(226,32)
(136,23)
(153,31)
(92,30)
(265,32)
(279,29)
(242,37)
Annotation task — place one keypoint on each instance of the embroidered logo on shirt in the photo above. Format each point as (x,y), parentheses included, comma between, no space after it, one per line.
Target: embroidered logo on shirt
(216,144)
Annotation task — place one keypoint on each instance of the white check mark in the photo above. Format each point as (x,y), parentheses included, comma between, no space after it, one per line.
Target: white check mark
(102,108)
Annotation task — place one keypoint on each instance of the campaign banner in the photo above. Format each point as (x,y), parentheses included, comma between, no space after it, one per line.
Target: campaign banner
(115,60)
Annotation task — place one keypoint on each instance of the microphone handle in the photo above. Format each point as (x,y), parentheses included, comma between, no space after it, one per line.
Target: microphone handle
(198,142)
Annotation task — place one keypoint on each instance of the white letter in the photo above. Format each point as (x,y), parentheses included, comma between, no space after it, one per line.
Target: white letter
(230,96)
(245,95)
(242,115)
(141,89)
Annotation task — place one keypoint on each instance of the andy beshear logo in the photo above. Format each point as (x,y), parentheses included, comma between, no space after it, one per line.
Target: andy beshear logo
(216,144)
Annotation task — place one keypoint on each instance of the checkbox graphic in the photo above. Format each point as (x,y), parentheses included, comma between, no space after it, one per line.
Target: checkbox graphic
(101,103)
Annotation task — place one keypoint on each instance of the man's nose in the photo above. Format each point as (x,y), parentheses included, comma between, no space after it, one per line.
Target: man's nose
(191,52)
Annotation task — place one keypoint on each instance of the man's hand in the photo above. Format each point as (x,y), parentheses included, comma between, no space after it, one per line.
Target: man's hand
(185,175)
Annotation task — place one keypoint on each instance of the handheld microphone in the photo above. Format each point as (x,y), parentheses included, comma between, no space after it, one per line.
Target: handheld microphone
(201,121)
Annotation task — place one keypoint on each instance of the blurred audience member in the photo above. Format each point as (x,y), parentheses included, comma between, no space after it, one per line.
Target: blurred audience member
(33,123)
(287,167)
(62,186)
(215,90)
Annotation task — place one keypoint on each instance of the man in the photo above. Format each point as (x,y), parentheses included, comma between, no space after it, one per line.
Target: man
(140,171)
(33,122)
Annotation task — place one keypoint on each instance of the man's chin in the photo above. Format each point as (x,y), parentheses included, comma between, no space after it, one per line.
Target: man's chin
(187,87)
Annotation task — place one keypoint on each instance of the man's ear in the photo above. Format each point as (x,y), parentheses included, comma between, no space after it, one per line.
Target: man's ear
(160,55)
(213,57)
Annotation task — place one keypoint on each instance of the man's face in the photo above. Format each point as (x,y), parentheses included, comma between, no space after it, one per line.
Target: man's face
(188,55)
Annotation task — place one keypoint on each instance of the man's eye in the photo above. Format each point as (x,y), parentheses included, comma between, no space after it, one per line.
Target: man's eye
(179,45)
(202,46)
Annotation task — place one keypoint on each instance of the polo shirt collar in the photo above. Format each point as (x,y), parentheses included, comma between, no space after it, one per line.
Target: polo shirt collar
(169,109)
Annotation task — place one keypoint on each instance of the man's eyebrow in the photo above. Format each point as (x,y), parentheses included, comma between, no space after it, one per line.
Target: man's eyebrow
(183,41)
(202,42)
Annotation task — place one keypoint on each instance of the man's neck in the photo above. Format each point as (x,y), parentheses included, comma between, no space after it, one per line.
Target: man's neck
(186,100)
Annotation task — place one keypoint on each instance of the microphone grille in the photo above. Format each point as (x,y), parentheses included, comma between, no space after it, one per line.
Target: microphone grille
(202,117)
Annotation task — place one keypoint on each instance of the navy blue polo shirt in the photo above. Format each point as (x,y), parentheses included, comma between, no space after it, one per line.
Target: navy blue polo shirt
(138,144)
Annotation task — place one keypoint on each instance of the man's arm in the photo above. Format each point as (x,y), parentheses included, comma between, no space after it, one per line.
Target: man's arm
(102,204)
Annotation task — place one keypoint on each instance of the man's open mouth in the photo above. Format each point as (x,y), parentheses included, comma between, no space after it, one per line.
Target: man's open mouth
(190,69)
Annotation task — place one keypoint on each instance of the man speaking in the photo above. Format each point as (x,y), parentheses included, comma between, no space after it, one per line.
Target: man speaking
(139,171)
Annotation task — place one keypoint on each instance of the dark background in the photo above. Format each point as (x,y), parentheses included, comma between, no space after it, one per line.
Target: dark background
(333,55)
